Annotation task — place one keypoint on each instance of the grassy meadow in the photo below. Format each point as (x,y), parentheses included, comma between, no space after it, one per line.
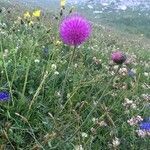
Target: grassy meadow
(99,104)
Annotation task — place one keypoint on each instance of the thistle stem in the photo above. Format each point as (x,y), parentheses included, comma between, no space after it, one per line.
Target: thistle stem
(67,73)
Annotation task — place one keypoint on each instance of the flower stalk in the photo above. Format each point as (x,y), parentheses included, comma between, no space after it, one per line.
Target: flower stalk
(67,73)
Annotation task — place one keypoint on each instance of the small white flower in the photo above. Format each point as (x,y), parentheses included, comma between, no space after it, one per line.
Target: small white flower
(123,71)
(5,54)
(116,142)
(4,25)
(36,60)
(146,97)
(68,95)
(114,94)
(146,74)
(84,135)
(93,130)
(135,120)
(95,120)
(3,33)
(56,73)
(75,65)
(95,103)
(78,147)
(146,65)
(94,58)
(58,93)
(129,104)
(54,67)
(102,124)
(133,106)
(116,67)
(127,101)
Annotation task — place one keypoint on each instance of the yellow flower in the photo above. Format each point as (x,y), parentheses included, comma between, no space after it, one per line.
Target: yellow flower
(26,15)
(62,3)
(36,13)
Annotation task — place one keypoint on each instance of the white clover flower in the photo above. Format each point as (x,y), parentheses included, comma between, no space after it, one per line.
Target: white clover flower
(141,133)
(123,71)
(129,104)
(135,120)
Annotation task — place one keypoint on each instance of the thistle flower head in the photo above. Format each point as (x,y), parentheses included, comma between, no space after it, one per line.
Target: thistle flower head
(74,30)
(118,57)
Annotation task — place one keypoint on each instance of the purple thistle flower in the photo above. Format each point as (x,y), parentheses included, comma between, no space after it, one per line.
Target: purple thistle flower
(74,30)
(118,57)
(145,126)
(4,96)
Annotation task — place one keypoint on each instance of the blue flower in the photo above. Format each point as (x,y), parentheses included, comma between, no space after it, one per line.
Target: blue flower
(145,125)
(147,119)
(4,96)
(131,73)
(45,49)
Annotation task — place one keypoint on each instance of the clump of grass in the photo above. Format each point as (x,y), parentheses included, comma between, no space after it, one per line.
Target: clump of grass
(95,113)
